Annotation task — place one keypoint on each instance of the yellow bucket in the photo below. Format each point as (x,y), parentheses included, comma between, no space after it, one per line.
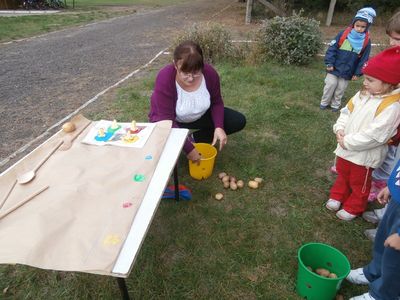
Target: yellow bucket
(206,166)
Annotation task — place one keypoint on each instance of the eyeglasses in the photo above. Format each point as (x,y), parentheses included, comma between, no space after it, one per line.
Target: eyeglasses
(186,76)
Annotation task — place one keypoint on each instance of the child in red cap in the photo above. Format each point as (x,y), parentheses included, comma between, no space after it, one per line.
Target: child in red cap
(363,130)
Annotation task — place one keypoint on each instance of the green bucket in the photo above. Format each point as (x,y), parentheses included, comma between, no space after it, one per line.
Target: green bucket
(312,286)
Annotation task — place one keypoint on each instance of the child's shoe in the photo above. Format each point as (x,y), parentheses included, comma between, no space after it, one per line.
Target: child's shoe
(323,107)
(333,169)
(335,109)
(370,216)
(333,204)
(365,296)
(357,276)
(370,234)
(345,216)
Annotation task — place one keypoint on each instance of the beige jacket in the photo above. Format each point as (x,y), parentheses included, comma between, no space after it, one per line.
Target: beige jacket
(366,135)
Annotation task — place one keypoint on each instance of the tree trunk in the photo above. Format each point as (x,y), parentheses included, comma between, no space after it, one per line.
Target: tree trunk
(249,8)
(330,12)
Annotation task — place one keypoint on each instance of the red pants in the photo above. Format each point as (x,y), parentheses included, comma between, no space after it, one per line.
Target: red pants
(352,186)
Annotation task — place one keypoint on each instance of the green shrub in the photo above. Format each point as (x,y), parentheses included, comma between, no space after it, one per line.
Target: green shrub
(290,40)
(214,39)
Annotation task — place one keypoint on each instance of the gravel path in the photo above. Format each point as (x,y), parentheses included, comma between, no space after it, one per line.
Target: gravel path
(44,79)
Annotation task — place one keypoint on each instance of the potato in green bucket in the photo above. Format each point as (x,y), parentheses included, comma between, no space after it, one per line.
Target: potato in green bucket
(317,255)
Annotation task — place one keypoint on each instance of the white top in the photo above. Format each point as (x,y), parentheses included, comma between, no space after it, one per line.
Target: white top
(190,106)
(366,135)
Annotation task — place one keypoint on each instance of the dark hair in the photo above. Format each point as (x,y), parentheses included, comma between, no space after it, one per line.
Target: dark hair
(394,24)
(190,55)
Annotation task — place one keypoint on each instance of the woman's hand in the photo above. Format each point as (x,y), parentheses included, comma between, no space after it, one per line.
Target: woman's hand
(383,196)
(194,156)
(220,135)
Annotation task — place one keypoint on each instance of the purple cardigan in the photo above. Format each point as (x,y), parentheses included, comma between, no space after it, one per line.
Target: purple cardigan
(164,98)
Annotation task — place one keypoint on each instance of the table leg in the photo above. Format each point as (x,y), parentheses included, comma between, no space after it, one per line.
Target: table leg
(123,288)
(176,182)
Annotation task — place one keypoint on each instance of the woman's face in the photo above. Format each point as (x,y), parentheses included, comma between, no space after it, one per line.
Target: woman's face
(187,79)
(375,86)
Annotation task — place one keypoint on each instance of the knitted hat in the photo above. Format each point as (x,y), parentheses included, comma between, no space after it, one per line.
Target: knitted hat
(366,14)
(384,66)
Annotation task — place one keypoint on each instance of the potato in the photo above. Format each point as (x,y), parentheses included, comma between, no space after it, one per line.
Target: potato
(221,175)
(240,184)
(233,186)
(322,272)
(253,184)
(68,127)
(219,196)
(232,178)
(226,184)
(339,297)
(332,275)
(258,179)
(225,178)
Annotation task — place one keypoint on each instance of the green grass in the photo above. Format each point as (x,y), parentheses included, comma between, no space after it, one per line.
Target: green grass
(244,247)
(86,11)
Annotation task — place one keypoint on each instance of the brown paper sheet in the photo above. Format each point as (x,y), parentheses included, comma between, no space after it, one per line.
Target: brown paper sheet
(81,221)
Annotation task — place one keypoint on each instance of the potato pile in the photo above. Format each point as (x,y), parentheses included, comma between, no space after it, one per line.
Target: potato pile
(323,272)
(230,182)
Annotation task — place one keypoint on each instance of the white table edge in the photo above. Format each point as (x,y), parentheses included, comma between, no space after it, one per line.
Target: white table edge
(151,200)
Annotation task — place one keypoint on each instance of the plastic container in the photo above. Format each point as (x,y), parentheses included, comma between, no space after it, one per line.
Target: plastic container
(317,255)
(206,166)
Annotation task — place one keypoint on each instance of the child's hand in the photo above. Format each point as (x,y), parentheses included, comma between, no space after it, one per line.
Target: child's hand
(341,143)
(383,196)
(330,68)
(393,241)
(354,77)
(340,138)
(339,134)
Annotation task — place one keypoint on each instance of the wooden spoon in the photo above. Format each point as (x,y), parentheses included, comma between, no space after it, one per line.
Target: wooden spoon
(10,210)
(70,138)
(28,176)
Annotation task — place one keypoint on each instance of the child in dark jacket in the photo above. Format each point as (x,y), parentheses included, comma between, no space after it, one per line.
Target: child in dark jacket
(383,272)
(345,57)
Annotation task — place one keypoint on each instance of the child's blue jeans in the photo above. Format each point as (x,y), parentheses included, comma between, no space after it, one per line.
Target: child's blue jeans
(383,272)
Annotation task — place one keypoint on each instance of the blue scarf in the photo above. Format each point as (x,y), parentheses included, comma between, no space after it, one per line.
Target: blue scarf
(356,40)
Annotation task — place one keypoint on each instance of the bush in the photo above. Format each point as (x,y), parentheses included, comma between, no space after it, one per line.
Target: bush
(214,39)
(290,40)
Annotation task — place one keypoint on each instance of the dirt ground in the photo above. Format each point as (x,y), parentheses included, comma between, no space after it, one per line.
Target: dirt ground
(229,13)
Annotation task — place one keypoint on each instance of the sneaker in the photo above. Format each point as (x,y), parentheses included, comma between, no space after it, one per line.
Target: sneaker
(335,109)
(323,107)
(333,204)
(345,216)
(370,216)
(357,276)
(370,234)
(380,212)
(333,170)
(365,296)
